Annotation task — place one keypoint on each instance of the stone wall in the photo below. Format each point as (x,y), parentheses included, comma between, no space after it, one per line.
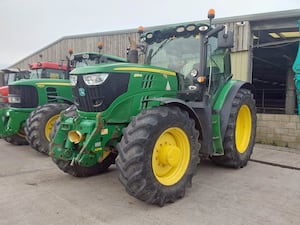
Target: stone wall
(279,130)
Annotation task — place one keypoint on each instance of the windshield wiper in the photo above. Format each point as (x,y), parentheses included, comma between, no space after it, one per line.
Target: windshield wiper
(160,47)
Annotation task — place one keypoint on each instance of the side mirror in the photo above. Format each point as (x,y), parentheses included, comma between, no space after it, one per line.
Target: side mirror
(225,39)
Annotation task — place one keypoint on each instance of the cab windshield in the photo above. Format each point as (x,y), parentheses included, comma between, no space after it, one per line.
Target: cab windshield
(81,62)
(10,77)
(182,55)
(47,74)
(177,54)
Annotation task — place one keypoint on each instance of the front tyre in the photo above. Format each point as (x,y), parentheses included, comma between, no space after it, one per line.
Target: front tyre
(40,124)
(158,155)
(17,139)
(81,171)
(240,134)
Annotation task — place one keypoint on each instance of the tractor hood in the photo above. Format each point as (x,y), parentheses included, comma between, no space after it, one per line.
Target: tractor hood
(122,67)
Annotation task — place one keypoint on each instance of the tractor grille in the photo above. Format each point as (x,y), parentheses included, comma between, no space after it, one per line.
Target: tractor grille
(147,81)
(29,96)
(98,98)
(51,94)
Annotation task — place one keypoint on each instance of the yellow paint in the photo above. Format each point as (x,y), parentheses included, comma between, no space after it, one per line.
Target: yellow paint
(151,70)
(243,129)
(171,156)
(49,126)
(98,149)
(41,85)
(104,131)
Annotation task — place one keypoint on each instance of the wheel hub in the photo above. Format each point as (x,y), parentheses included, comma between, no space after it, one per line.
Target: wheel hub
(169,155)
(243,129)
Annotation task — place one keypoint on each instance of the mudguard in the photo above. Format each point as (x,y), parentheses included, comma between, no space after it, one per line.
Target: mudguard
(223,104)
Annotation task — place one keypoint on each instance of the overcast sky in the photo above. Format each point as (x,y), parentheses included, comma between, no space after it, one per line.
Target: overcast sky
(29,25)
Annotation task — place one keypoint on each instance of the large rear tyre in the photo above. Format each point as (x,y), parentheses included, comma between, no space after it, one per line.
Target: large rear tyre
(240,135)
(40,123)
(158,155)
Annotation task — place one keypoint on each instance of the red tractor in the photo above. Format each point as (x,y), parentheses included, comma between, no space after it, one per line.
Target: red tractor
(8,76)
(48,70)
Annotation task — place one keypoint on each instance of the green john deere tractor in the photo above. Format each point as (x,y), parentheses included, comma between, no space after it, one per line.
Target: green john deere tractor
(37,102)
(158,118)
(44,86)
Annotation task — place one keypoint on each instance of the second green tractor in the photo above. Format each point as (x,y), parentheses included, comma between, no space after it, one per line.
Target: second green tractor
(35,103)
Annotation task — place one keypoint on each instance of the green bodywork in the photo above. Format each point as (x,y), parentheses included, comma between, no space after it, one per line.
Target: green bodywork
(150,84)
(296,68)
(104,129)
(13,119)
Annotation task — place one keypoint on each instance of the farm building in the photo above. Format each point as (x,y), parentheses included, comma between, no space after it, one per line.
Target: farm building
(265,47)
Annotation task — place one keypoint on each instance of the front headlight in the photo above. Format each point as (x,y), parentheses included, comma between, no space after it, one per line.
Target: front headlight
(14,99)
(73,79)
(95,79)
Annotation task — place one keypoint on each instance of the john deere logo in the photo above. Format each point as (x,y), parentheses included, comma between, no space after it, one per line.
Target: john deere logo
(81,92)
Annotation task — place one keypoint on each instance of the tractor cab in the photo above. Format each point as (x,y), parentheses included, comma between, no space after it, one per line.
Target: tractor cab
(84,59)
(10,75)
(7,76)
(48,70)
(93,58)
(198,53)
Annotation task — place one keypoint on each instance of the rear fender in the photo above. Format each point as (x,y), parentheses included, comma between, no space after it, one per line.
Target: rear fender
(223,104)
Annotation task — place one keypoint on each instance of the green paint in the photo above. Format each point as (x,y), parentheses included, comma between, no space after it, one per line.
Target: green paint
(152,80)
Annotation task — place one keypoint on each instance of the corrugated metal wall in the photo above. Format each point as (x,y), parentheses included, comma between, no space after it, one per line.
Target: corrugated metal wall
(115,43)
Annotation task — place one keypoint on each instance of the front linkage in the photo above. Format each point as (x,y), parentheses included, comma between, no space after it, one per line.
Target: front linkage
(85,141)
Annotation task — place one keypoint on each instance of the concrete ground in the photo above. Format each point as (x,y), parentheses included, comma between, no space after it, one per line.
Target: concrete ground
(34,191)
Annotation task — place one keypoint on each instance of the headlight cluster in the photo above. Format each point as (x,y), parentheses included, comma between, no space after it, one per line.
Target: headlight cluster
(90,79)
(73,79)
(14,99)
(95,79)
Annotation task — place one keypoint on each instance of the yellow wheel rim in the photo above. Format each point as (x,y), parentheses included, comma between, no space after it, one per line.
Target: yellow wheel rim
(49,126)
(243,129)
(171,156)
